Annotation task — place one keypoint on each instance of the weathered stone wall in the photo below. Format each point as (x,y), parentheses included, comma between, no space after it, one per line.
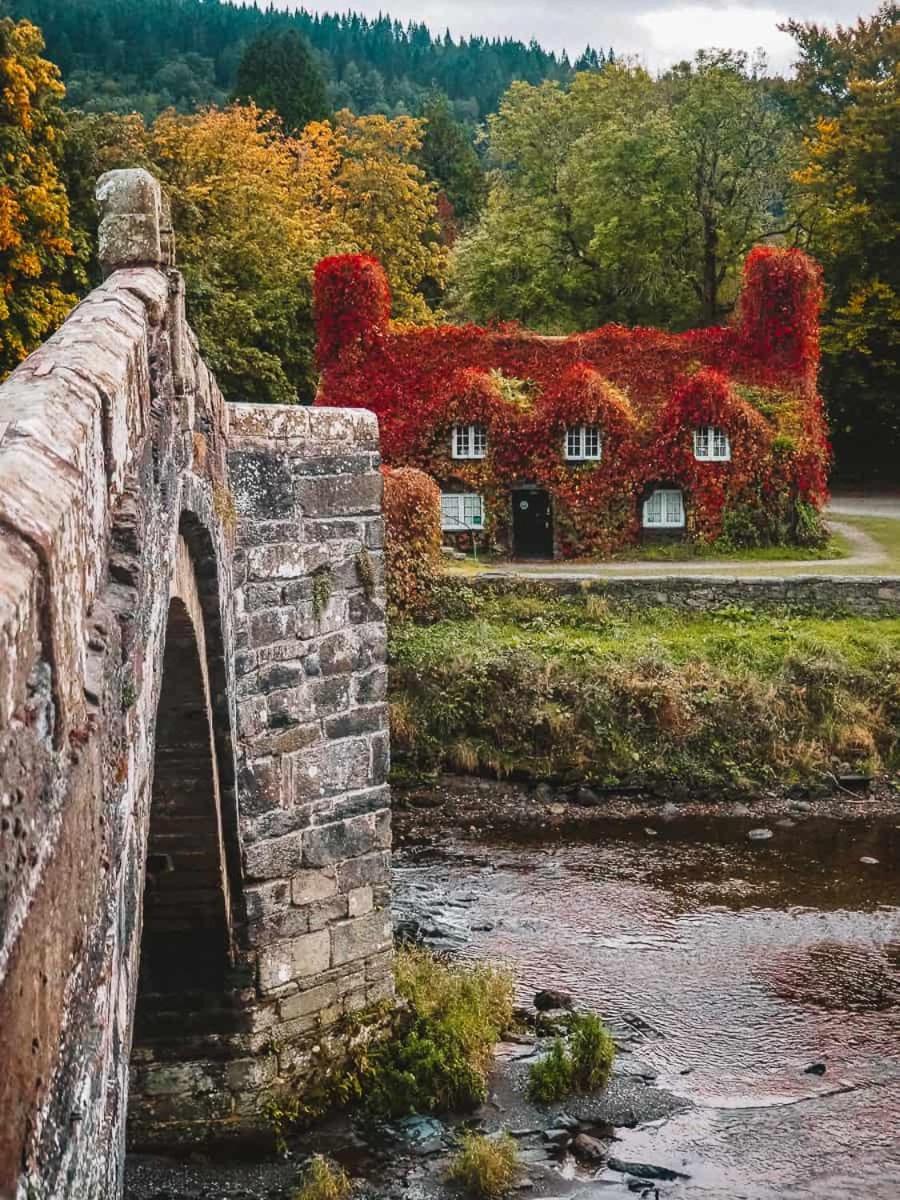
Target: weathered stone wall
(125,529)
(313,755)
(864,596)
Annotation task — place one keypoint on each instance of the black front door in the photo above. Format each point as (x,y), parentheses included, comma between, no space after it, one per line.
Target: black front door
(532,525)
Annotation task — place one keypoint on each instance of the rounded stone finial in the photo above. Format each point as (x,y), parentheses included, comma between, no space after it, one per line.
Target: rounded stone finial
(135,227)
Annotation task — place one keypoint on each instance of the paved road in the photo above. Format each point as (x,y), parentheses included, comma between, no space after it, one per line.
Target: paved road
(858,504)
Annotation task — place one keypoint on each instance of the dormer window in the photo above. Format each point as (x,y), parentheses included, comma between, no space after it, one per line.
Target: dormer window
(583,443)
(711,444)
(468,441)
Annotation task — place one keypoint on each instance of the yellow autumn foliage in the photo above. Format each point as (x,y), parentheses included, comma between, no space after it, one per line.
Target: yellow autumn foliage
(255,209)
(36,252)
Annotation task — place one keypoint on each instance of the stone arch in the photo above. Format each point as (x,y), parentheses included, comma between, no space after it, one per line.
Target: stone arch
(187,944)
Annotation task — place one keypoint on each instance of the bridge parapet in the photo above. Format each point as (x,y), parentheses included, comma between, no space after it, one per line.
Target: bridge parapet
(137,507)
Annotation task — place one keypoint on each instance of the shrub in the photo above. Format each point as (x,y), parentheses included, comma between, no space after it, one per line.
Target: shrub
(412,539)
(592,1050)
(485,1166)
(584,1066)
(550,1078)
(441,1058)
(324,1180)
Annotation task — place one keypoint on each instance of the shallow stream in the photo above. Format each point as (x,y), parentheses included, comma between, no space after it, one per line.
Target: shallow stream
(730,965)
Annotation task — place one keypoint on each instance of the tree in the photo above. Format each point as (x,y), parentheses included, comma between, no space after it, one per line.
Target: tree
(848,188)
(625,197)
(450,159)
(36,250)
(254,210)
(390,207)
(831,59)
(279,73)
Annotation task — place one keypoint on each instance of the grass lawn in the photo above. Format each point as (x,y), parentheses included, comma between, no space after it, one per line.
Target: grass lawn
(569,689)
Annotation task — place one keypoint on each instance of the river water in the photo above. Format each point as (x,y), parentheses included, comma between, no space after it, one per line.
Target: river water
(734,964)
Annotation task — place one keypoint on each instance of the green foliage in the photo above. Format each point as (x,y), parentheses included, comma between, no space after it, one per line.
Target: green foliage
(278,72)
(448,157)
(584,1065)
(440,1059)
(550,1078)
(708,702)
(486,1167)
(324,1180)
(322,586)
(148,55)
(848,191)
(625,197)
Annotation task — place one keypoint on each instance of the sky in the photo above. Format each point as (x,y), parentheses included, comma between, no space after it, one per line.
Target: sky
(656,32)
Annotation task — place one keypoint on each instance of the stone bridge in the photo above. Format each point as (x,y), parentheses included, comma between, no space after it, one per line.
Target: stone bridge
(194,821)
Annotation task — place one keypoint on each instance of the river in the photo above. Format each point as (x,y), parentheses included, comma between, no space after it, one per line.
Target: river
(758,977)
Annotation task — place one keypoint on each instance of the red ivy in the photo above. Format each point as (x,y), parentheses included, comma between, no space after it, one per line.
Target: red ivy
(646,389)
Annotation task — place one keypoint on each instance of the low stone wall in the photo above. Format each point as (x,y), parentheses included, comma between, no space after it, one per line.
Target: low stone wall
(853,595)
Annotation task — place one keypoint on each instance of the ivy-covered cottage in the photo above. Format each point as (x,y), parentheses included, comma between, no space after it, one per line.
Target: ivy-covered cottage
(584,445)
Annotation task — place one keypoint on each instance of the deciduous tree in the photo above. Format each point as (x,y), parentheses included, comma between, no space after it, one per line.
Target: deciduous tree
(625,197)
(36,250)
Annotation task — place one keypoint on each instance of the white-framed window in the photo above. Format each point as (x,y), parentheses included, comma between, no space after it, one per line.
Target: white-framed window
(461,511)
(468,441)
(664,509)
(711,444)
(583,443)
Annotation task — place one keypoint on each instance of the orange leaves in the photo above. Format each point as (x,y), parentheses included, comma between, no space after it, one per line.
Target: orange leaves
(35,246)
(412,538)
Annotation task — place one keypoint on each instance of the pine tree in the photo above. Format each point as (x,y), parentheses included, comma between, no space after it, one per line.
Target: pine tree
(279,72)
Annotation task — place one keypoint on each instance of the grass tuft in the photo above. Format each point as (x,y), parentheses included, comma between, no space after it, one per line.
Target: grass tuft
(324,1180)
(485,1166)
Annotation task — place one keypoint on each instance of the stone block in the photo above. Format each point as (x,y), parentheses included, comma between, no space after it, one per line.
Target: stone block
(295,959)
(277,858)
(366,869)
(360,902)
(304,1004)
(360,937)
(309,886)
(326,845)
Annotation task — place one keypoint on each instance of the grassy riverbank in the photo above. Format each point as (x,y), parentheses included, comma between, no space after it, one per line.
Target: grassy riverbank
(566,689)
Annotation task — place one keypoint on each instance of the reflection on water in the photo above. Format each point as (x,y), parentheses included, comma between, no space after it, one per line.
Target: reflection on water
(738,964)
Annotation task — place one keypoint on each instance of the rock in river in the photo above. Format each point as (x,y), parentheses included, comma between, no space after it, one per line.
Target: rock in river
(644,1170)
(550,998)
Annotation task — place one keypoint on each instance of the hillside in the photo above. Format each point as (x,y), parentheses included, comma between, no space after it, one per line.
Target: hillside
(147,55)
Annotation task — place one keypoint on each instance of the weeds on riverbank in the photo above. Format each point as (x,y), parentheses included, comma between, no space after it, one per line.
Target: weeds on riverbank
(441,1057)
(485,1166)
(324,1180)
(566,689)
(433,1054)
(585,1065)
